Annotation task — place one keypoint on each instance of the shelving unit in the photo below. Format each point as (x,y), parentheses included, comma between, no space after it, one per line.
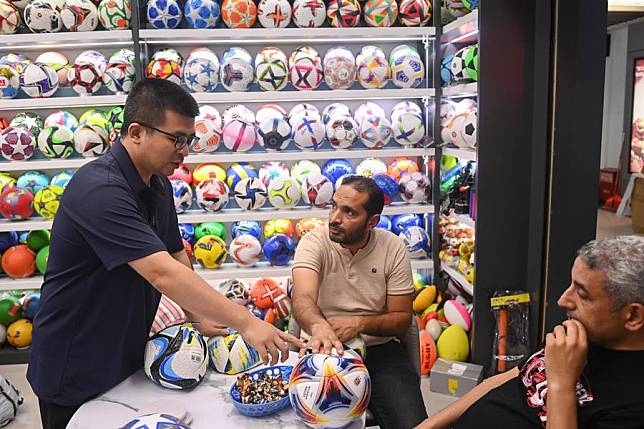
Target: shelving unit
(61,102)
(460,279)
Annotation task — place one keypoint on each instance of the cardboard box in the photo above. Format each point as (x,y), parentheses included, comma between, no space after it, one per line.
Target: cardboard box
(454,378)
(637,206)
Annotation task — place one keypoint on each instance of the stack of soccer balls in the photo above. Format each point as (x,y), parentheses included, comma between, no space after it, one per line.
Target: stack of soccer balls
(17,310)
(459,122)
(32,191)
(462,66)
(24,254)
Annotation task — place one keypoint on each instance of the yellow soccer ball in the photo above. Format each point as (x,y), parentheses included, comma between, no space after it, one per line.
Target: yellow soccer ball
(47,200)
(210,251)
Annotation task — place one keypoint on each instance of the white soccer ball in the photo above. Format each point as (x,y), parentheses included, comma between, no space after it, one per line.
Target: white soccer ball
(91,140)
(339,68)
(274,134)
(303,168)
(270,111)
(238,112)
(236,72)
(335,109)
(308,132)
(342,132)
(271,69)
(407,68)
(409,128)
(271,170)
(164,14)
(245,250)
(317,190)
(274,13)
(84,78)
(120,73)
(375,132)
(210,112)
(416,241)
(182,195)
(43,16)
(303,109)
(201,72)
(309,13)
(39,80)
(79,15)
(250,193)
(466,133)
(208,134)
(9,17)
(415,187)
(367,110)
(305,68)
(284,192)
(212,195)
(239,136)
(370,167)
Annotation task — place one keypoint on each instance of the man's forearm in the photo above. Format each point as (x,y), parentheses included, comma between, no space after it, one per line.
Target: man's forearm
(182,257)
(307,313)
(394,323)
(561,403)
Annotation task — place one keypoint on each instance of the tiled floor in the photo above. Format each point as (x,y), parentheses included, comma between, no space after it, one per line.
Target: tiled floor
(608,224)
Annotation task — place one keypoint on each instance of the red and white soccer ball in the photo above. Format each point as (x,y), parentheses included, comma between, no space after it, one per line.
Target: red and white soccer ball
(84,78)
(343,13)
(79,15)
(317,190)
(17,144)
(210,112)
(212,195)
(208,134)
(239,136)
(245,250)
(342,132)
(309,13)
(305,68)
(380,13)
(9,17)
(274,13)
(339,68)
(414,13)
(415,187)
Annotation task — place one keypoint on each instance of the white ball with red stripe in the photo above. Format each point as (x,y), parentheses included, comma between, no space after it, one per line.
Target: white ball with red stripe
(317,190)
(415,187)
(239,136)
(308,132)
(282,305)
(212,195)
(208,135)
(245,250)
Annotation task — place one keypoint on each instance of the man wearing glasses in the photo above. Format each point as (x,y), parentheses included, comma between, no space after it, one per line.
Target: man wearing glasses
(115,247)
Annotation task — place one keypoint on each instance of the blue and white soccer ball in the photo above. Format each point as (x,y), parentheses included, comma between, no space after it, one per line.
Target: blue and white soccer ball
(156,420)
(176,357)
(61,179)
(403,221)
(164,13)
(250,193)
(201,72)
(274,134)
(182,194)
(416,241)
(33,181)
(202,13)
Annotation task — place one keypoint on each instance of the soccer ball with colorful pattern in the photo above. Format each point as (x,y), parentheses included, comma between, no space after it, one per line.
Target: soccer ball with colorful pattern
(250,227)
(61,179)
(212,195)
(309,13)
(9,17)
(274,134)
(156,420)
(236,72)
(284,192)
(115,14)
(370,167)
(208,170)
(305,68)
(279,249)
(271,69)
(271,170)
(375,132)
(201,72)
(165,65)
(235,290)
(231,354)
(317,190)
(339,68)
(16,203)
(274,13)
(465,64)
(239,136)
(176,358)
(415,187)
(61,118)
(373,70)
(56,141)
(306,225)
(43,16)
(408,127)
(342,132)
(308,131)
(208,135)
(210,251)
(47,200)
(245,250)
(39,80)
(416,241)
(303,168)
(28,121)
(33,181)
(120,72)
(92,138)
(380,13)
(333,169)
(407,68)
(278,226)
(250,193)
(202,13)
(9,82)
(239,13)
(182,195)
(79,15)
(329,391)
(343,13)
(414,13)
(164,14)
(17,144)
(400,167)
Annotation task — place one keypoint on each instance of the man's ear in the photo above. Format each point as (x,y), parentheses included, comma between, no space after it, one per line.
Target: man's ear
(136,133)
(634,317)
(373,221)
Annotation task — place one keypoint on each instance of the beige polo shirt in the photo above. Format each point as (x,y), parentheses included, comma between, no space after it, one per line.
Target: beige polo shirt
(356,285)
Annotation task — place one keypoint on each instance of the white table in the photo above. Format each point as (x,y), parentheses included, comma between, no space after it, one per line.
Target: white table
(208,404)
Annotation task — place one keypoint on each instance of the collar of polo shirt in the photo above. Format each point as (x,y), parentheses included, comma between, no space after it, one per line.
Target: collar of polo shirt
(130,172)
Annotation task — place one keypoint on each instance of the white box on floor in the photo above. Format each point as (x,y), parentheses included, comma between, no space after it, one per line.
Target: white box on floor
(454,378)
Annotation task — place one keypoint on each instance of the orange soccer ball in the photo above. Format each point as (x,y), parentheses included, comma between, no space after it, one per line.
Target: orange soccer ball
(239,13)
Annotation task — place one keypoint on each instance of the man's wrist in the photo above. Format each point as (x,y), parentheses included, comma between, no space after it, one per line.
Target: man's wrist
(559,386)
(319,324)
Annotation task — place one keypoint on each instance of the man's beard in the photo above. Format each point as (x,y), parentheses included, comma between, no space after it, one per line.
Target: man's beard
(349,238)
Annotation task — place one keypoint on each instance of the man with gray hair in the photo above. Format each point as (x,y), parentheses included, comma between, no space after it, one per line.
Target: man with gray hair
(590,374)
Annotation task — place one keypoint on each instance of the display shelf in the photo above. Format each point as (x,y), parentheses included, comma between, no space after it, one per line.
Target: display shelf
(463,30)
(46,41)
(232,215)
(62,102)
(316,95)
(227,271)
(44,164)
(11,356)
(461,90)
(297,155)
(459,278)
(468,154)
(249,36)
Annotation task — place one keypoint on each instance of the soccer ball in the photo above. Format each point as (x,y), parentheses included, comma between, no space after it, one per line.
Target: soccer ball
(29,121)
(155,420)
(408,128)
(304,226)
(208,170)
(271,69)
(303,109)
(239,136)
(305,68)
(250,227)
(278,250)
(39,80)
(384,223)
(333,169)
(402,166)
(414,13)
(231,354)
(415,187)
(47,200)
(62,179)
(209,112)
(416,241)
(303,168)
(343,13)
(278,226)
(58,62)
(56,141)
(373,68)
(471,62)
(238,112)
(17,61)
(308,132)
(387,185)
(91,139)
(202,13)
(239,171)
(317,190)
(375,132)
(84,78)
(120,72)
(339,68)
(182,195)
(274,134)
(250,193)
(274,13)
(212,195)
(61,118)
(407,68)
(79,15)
(466,136)
(9,17)
(164,69)
(235,290)
(457,8)
(368,110)
(335,109)
(33,181)
(400,222)
(210,251)
(342,132)
(284,192)
(201,72)
(329,391)
(43,16)
(176,358)
(115,14)
(380,13)
(92,57)
(245,250)
(236,72)
(168,54)
(94,116)
(309,13)
(17,144)
(210,228)
(263,293)
(208,134)
(270,111)
(271,170)
(370,167)
(9,82)
(457,66)
(164,13)
(16,203)
(239,13)
(446,69)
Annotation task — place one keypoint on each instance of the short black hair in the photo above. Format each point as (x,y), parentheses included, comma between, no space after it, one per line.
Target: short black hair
(376,200)
(149,99)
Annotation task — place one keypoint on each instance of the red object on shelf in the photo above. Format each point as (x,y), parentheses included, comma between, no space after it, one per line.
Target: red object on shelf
(608,188)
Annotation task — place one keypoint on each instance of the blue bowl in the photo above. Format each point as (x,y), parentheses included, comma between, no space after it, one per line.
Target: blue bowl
(260,410)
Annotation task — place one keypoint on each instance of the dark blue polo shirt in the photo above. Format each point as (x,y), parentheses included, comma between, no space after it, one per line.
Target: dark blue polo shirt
(95,310)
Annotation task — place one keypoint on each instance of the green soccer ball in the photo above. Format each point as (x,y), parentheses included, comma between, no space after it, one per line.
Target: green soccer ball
(56,141)
(471,62)
(210,228)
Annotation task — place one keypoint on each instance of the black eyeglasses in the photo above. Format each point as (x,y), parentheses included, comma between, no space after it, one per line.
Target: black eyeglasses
(180,142)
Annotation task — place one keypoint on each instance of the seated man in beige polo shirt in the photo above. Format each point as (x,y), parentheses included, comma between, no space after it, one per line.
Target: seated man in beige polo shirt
(351,279)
